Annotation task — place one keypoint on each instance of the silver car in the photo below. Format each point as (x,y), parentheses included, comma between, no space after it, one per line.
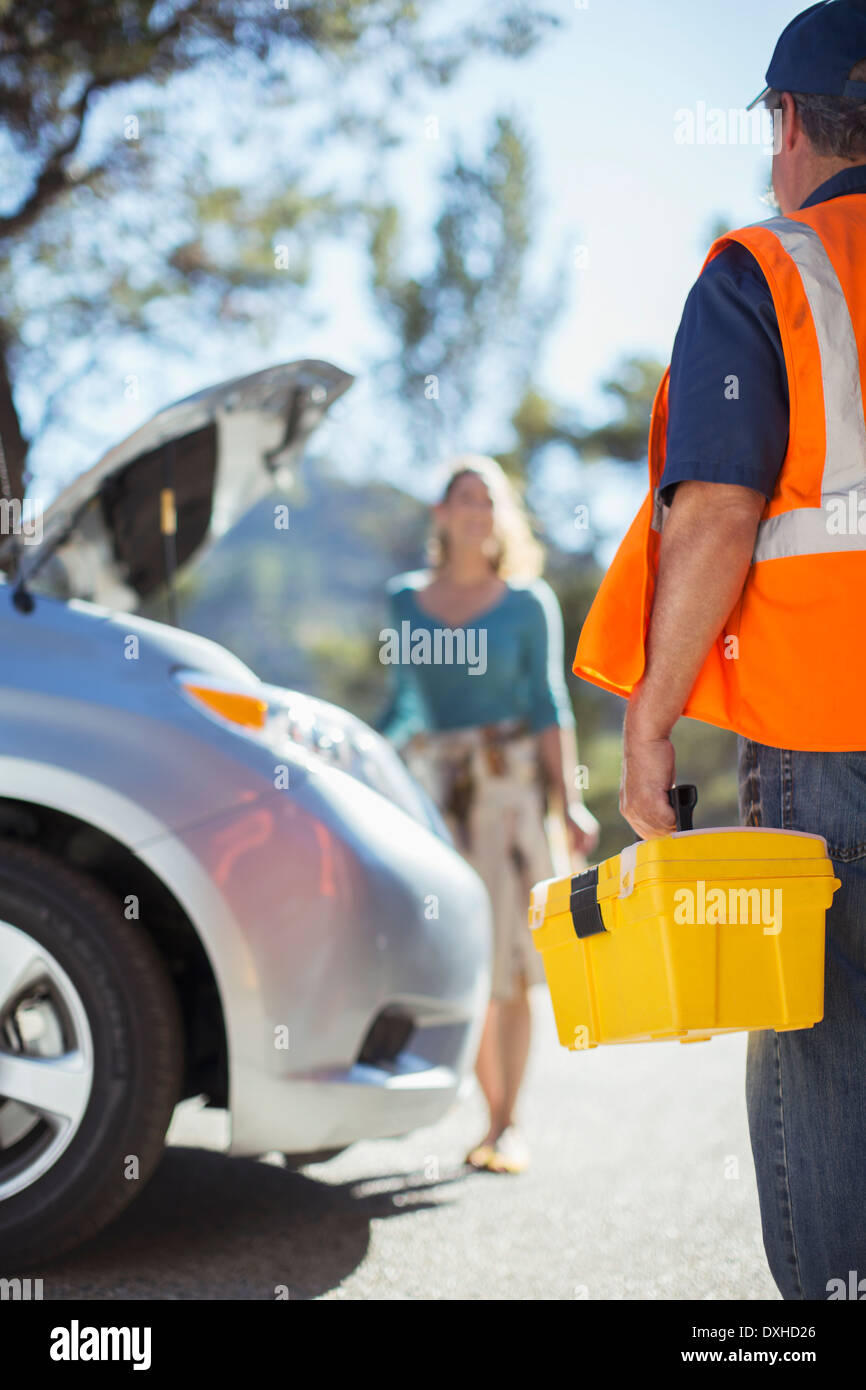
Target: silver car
(208,886)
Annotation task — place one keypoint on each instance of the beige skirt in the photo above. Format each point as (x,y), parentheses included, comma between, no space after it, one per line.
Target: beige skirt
(488,787)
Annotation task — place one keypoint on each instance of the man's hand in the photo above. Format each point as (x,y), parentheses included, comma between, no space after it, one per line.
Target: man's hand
(647,774)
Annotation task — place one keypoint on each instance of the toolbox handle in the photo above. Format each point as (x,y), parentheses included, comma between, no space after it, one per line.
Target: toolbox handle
(683,799)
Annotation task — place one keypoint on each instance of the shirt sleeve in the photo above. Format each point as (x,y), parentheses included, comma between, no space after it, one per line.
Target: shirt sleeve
(728,394)
(403,715)
(548,694)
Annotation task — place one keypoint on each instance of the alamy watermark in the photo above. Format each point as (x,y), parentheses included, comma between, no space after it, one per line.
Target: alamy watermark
(22,519)
(77,1343)
(20,1290)
(713,907)
(845,515)
(854,1288)
(713,125)
(441,646)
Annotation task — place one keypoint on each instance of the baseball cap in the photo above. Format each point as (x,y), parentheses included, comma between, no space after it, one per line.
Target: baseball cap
(817,50)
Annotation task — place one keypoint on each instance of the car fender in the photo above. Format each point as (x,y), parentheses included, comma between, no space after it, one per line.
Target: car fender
(166,855)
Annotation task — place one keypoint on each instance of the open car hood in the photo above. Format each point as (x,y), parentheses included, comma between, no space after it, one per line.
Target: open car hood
(154,500)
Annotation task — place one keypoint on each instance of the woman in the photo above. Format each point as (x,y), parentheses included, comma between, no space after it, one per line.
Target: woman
(492,737)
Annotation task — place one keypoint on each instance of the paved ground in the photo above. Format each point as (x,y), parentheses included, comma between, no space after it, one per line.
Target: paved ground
(642,1188)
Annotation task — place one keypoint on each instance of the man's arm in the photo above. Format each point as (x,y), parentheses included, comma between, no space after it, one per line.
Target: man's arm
(705,553)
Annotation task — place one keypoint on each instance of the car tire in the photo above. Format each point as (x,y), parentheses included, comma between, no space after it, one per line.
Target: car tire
(90,1032)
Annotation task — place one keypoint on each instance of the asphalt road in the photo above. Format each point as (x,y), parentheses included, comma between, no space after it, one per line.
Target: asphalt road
(642,1187)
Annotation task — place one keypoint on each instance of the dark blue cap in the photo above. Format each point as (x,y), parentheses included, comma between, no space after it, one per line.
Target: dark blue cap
(818,49)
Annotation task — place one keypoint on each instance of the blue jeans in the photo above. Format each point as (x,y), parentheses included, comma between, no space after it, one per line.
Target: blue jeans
(806,1090)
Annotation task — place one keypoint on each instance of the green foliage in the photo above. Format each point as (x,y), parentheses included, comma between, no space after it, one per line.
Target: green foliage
(121,220)
(539,422)
(468,319)
(632,391)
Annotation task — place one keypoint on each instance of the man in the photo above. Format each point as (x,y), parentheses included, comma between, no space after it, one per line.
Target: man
(739,597)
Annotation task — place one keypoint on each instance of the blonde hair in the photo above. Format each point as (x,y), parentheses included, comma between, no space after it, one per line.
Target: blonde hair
(518,554)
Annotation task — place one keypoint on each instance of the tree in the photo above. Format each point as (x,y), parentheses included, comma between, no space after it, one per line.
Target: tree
(469,325)
(539,422)
(119,218)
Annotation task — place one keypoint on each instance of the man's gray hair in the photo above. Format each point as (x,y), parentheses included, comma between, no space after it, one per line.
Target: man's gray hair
(835,125)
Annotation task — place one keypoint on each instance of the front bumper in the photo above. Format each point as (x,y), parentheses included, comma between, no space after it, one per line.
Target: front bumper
(332,1109)
(327,907)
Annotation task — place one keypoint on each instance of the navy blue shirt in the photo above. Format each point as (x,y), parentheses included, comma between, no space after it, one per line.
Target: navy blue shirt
(722,430)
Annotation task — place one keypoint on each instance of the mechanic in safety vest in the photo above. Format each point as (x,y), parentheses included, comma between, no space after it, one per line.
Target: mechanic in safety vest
(738,597)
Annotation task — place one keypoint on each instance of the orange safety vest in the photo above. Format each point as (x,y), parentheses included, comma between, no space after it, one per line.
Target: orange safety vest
(795,677)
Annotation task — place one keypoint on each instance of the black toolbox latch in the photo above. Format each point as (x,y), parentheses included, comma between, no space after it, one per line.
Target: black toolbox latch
(585,911)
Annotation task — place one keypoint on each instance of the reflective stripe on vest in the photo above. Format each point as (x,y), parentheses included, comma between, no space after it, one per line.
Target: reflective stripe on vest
(834,525)
(811,530)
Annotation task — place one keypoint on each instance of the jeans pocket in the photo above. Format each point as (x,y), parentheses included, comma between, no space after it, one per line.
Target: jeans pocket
(828,797)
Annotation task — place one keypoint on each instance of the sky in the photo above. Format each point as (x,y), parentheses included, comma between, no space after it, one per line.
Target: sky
(602,105)
(620,199)
(623,202)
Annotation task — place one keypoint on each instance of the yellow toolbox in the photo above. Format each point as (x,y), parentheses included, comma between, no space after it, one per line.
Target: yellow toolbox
(696,933)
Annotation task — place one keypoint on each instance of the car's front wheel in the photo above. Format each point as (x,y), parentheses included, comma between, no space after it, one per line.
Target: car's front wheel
(91,1057)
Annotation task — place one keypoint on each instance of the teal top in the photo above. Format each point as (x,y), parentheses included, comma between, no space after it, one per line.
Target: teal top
(506,663)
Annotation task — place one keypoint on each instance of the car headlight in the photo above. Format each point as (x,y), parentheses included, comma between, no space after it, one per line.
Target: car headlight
(281,718)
